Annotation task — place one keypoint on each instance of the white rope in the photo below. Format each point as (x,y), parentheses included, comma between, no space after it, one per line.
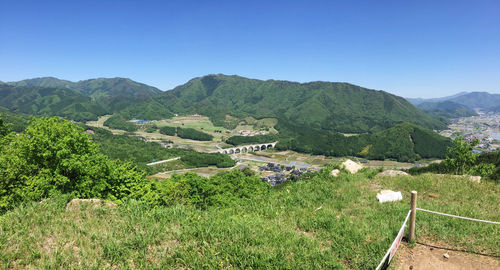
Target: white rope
(466,218)
(401,230)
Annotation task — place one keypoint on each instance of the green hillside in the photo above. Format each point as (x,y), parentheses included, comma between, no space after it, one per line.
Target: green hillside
(403,142)
(340,107)
(80,101)
(95,88)
(49,101)
(447,109)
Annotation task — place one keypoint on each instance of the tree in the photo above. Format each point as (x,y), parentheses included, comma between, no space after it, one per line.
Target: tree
(55,156)
(4,127)
(460,159)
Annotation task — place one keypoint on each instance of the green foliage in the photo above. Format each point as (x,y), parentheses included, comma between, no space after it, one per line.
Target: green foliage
(322,223)
(4,127)
(49,101)
(17,122)
(118,122)
(193,134)
(337,107)
(404,142)
(170,131)
(460,159)
(447,109)
(241,140)
(55,156)
(127,148)
(198,159)
(191,189)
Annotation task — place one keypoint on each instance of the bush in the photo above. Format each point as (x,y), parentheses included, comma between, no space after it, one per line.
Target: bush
(118,122)
(242,140)
(192,189)
(193,134)
(198,159)
(170,131)
(54,156)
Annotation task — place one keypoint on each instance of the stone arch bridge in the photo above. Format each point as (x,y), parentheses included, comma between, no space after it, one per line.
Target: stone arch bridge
(246,148)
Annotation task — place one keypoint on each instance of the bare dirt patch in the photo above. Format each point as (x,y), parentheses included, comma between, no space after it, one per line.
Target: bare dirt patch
(435,256)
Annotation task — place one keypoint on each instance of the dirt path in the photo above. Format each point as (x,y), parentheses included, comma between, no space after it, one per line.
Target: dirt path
(433,256)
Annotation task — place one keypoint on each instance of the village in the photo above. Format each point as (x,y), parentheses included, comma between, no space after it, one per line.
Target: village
(485,127)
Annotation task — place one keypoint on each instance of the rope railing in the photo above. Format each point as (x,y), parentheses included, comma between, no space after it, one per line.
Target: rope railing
(386,260)
(454,216)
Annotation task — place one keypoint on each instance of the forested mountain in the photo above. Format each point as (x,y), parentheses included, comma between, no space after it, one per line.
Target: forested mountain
(311,116)
(95,88)
(80,101)
(480,100)
(447,109)
(49,101)
(473,100)
(330,106)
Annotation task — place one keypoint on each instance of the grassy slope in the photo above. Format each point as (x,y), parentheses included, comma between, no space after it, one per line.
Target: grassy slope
(322,222)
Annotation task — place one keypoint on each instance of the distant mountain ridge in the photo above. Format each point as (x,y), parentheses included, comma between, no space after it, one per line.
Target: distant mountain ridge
(94,87)
(472,100)
(447,109)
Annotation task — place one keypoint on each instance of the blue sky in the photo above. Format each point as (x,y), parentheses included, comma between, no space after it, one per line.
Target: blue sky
(409,48)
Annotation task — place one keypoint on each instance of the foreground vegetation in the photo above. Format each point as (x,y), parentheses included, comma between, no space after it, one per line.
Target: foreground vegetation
(316,222)
(232,219)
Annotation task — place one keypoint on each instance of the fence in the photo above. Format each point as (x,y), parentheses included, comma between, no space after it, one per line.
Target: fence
(386,260)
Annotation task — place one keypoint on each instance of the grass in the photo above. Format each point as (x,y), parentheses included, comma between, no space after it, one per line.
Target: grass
(317,223)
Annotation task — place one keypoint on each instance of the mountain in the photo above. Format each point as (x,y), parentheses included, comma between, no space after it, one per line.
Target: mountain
(45,82)
(49,101)
(340,107)
(95,88)
(473,100)
(478,100)
(417,101)
(80,101)
(114,87)
(447,109)
(311,116)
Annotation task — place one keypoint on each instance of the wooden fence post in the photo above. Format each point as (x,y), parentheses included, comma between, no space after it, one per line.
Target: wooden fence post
(413,215)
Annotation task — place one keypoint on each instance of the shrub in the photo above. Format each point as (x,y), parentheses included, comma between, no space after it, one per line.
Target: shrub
(54,156)
(170,131)
(193,134)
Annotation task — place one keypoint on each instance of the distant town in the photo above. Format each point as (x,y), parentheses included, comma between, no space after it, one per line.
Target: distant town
(485,127)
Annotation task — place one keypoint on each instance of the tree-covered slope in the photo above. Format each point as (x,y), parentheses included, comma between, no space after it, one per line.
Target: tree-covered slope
(49,101)
(331,106)
(481,100)
(113,87)
(403,142)
(447,109)
(95,88)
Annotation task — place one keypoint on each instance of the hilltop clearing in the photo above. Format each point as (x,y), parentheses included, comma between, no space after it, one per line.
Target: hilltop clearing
(316,222)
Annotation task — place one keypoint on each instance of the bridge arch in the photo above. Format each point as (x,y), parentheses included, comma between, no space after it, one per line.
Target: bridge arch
(270,146)
(263,147)
(244,150)
(237,151)
(256,148)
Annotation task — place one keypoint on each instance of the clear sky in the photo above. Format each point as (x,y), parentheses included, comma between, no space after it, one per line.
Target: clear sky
(409,48)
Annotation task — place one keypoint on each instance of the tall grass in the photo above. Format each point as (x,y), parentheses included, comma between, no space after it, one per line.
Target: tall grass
(317,223)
